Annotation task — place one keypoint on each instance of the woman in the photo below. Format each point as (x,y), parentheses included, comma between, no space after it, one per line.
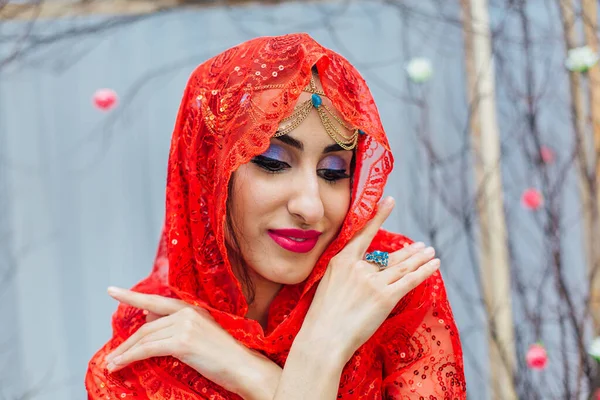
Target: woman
(273,278)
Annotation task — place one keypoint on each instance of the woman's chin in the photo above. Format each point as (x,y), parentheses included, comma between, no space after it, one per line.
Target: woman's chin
(290,276)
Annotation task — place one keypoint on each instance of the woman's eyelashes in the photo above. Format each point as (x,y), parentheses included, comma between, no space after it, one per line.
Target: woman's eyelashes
(272,160)
(270,164)
(333,172)
(333,169)
(333,175)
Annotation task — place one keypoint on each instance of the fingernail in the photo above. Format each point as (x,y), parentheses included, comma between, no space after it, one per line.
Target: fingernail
(113,290)
(110,366)
(388,201)
(418,245)
(116,360)
(429,251)
(109,357)
(435,263)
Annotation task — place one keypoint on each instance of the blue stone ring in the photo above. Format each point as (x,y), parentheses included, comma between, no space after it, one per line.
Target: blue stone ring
(379,258)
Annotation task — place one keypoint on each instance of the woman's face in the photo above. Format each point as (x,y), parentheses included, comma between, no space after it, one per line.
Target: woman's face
(289,203)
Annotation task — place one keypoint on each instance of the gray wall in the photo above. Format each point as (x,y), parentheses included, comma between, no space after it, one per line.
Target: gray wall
(82,191)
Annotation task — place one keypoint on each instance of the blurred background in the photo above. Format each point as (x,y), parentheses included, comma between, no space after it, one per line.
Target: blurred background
(492,108)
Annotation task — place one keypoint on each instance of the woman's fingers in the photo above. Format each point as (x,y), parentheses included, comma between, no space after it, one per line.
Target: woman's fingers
(158,311)
(419,258)
(361,241)
(153,303)
(142,349)
(157,348)
(401,255)
(408,282)
(150,316)
(146,329)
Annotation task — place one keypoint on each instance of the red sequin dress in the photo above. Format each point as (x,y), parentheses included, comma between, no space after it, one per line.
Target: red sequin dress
(415,354)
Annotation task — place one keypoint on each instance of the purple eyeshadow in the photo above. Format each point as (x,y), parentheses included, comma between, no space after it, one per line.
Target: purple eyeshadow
(279,153)
(275,152)
(333,163)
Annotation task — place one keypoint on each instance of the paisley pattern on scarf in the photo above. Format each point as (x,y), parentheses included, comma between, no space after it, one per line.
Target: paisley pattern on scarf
(224,121)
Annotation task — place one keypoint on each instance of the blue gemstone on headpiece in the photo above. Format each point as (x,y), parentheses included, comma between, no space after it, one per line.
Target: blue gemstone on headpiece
(361,132)
(316,100)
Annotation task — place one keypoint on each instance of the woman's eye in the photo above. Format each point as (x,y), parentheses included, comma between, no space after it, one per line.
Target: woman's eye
(333,175)
(270,164)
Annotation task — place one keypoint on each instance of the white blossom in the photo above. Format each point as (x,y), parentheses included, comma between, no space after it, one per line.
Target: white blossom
(594,349)
(419,70)
(581,59)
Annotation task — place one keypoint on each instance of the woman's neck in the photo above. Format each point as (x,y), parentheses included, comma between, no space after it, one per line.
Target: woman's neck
(264,293)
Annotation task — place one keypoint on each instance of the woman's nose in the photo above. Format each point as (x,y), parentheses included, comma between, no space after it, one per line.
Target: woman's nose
(305,201)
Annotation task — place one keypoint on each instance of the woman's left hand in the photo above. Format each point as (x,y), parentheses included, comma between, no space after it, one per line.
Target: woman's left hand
(191,334)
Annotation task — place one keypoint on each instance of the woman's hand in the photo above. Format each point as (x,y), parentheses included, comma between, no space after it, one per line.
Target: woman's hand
(355,297)
(191,335)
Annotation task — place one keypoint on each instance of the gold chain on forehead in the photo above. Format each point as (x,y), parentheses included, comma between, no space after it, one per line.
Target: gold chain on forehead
(325,113)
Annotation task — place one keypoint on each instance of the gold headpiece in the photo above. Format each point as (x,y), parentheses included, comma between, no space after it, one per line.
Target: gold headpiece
(325,113)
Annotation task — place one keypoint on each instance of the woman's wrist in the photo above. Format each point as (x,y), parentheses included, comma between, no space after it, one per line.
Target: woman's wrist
(322,343)
(312,370)
(257,376)
(319,343)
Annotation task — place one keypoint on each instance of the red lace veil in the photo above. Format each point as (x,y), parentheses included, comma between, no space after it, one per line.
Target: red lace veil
(415,354)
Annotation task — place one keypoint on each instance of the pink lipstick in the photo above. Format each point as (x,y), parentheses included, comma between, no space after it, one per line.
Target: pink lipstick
(296,240)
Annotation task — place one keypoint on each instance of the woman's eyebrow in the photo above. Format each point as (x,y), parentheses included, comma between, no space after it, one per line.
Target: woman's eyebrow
(300,146)
(291,141)
(332,148)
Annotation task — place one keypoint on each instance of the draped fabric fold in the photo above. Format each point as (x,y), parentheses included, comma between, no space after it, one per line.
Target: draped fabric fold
(224,120)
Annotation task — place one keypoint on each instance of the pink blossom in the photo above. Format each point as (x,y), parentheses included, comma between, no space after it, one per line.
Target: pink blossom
(532,199)
(537,358)
(105,99)
(547,155)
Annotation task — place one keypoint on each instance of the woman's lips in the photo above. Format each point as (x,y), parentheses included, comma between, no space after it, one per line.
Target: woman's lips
(296,240)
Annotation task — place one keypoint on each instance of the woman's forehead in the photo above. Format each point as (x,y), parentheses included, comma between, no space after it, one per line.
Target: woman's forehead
(314,123)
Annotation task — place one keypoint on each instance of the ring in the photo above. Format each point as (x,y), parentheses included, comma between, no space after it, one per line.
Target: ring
(379,258)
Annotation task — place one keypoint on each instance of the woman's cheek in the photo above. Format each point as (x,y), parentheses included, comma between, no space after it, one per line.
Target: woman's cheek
(257,185)
(338,204)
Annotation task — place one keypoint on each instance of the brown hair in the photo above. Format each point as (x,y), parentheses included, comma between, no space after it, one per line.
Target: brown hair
(234,252)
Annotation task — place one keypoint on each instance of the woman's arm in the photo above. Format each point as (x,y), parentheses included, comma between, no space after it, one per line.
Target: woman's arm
(258,377)
(190,334)
(312,370)
(352,300)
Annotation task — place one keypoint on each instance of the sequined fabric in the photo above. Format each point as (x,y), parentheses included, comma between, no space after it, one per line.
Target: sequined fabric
(415,354)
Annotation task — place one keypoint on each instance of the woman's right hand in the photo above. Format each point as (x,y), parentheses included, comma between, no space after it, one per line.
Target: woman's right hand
(354,297)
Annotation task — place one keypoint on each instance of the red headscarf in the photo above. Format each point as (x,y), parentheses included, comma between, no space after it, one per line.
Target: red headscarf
(416,352)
